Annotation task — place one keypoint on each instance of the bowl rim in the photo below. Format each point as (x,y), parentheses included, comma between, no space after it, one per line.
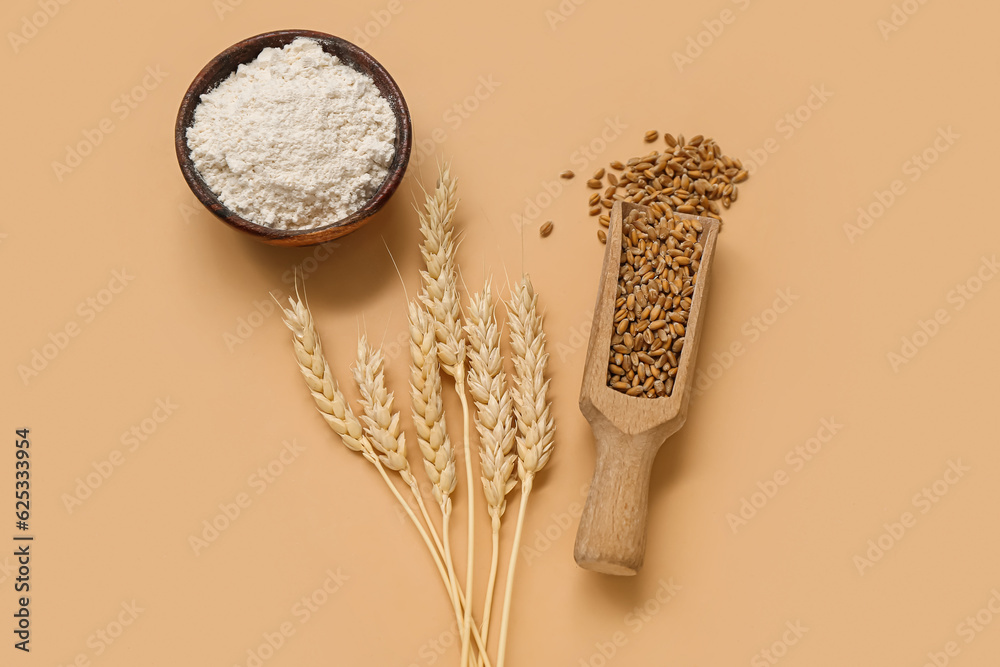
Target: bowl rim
(218,68)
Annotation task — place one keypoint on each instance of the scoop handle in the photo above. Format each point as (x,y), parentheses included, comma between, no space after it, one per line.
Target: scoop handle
(612,534)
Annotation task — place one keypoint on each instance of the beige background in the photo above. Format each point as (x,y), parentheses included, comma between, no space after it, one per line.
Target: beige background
(169,335)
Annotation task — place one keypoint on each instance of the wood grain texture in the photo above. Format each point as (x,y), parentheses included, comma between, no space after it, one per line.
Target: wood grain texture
(225,64)
(629,430)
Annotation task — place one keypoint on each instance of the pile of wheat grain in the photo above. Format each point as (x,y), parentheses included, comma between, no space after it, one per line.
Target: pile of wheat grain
(688,176)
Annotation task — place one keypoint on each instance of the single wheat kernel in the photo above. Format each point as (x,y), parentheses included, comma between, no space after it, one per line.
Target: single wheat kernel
(545,229)
(567,174)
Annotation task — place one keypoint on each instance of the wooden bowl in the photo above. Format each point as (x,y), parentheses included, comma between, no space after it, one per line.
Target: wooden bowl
(225,64)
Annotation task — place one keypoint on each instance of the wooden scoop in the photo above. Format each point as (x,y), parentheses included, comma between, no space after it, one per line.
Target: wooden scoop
(628,430)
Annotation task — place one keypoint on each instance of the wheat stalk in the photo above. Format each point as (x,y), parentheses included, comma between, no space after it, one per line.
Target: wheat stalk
(535,430)
(334,407)
(440,295)
(429,420)
(337,412)
(494,422)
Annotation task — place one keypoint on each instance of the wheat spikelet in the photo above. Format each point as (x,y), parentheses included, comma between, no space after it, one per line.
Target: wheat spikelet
(494,417)
(440,274)
(381,423)
(531,407)
(428,409)
(330,400)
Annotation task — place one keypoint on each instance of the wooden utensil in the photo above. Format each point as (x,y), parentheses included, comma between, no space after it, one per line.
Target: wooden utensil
(243,52)
(628,430)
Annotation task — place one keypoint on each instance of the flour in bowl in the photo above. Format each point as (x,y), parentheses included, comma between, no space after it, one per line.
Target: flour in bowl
(294,139)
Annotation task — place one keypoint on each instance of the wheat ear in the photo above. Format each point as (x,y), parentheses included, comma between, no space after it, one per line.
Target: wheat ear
(440,295)
(535,430)
(337,412)
(429,421)
(494,422)
(335,409)
(381,424)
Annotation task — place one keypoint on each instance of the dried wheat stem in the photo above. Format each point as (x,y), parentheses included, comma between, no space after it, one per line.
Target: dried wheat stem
(429,420)
(471,555)
(337,412)
(494,422)
(491,587)
(535,429)
(526,484)
(440,274)
(440,295)
(447,574)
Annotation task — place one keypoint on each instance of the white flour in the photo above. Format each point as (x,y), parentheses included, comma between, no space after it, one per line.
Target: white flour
(294,139)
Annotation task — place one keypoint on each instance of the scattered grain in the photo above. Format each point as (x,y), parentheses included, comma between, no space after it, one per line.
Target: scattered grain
(687,177)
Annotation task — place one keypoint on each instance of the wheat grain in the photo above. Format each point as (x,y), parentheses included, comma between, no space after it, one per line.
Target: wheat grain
(660,258)
(688,177)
